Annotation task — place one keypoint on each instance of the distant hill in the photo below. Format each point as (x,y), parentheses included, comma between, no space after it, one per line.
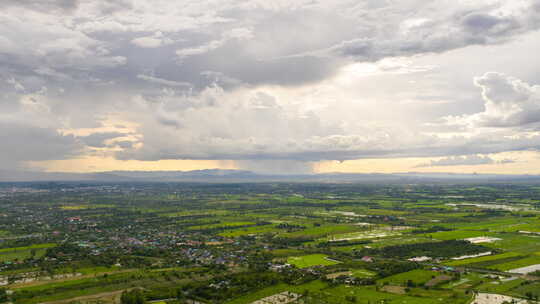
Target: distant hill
(224,176)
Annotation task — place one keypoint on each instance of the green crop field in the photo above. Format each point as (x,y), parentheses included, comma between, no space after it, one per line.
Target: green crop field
(458,234)
(311,260)
(249,230)
(228,225)
(528,261)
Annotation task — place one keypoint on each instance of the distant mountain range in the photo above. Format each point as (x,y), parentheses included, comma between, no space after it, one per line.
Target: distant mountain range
(240,176)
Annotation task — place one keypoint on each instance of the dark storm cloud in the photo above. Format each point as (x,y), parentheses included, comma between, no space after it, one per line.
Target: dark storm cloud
(21,142)
(483,22)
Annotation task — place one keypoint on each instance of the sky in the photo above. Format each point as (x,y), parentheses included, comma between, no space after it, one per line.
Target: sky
(282,86)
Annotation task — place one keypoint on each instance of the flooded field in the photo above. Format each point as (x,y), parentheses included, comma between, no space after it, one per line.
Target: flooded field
(525,270)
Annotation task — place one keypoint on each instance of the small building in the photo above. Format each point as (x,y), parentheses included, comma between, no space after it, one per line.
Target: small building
(367,259)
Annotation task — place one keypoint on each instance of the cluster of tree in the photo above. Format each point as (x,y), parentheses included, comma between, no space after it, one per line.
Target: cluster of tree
(444,249)
(531,296)
(349,281)
(67,252)
(388,268)
(3,295)
(134,296)
(282,242)
(432,229)
(259,261)
(219,228)
(487,213)
(290,227)
(225,287)
(343,243)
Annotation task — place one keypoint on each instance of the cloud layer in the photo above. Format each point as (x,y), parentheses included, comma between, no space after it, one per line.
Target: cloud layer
(468,160)
(270,85)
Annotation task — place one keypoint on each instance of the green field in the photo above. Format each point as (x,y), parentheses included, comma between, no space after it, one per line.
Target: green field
(21,253)
(362,273)
(458,234)
(249,230)
(528,261)
(227,225)
(310,260)
(483,259)
(502,287)
(322,231)
(4,233)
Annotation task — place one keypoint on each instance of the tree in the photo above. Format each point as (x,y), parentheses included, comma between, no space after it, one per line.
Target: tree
(3,295)
(134,296)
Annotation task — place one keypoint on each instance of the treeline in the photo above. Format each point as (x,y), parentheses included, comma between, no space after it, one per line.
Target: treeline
(388,268)
(290,227)
(230,286)
(432,229)
(444,249)
(225,227)
(343,243)
(134,296)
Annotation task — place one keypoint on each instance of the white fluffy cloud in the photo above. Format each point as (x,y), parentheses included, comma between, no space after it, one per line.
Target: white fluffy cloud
(247,124)
(508,102)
